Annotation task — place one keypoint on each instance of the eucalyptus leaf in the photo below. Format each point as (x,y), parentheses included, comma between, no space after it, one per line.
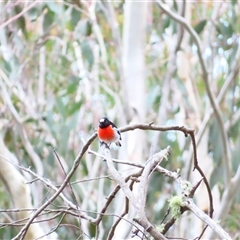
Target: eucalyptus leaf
(200,26)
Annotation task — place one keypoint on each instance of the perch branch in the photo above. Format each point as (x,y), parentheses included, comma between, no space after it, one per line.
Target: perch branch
(143,221)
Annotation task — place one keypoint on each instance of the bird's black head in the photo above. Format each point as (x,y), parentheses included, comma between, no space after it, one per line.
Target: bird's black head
(104,122)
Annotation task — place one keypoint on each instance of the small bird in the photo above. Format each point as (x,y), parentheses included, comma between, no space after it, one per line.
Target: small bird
(108,132)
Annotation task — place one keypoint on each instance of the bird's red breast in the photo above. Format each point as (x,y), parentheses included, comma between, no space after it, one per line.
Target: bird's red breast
(106,134)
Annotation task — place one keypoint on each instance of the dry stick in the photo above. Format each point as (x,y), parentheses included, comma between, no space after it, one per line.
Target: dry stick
(117,177)
(152,163)
(70,186)
(111,196)
(205,181)
(143,221)
(48,184)
(182,184)
(82,181)
(14,18)
(170,223)
(176,177)
(54,228)
(126,209)
(104,209)
(109,200)
(214,103)
(188,203)
(76,163)
(111,233)
(19,224)
(137,174)
(46,211)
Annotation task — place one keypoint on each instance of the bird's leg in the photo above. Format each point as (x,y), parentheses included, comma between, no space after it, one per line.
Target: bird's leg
(106,145)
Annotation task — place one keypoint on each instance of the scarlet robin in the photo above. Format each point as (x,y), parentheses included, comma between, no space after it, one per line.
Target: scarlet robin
(108,132)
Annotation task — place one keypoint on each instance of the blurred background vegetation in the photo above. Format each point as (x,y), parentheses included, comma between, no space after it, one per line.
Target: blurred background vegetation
(65,64)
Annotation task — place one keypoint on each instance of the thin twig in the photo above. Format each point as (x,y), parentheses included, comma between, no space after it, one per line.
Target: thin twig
(76,163)
(14,18)
(70,186)
(54,228)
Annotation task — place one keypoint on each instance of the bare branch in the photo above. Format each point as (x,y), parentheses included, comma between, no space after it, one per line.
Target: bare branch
(118,178)
(187,193)
(76,163)
(14,18)
(205,218)
(138,205)
(150,166)
(126,209)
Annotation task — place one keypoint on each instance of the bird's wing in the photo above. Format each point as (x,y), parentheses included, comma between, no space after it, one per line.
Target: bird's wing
(115,127)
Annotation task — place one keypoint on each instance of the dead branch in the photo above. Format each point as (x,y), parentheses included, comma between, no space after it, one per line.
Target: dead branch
(139,203)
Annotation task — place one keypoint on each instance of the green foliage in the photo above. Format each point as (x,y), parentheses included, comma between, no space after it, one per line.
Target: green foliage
(215,147)
(85,27)
(200,26)
(232,220)
(215,179)
(75,17)
(21,21)
(225,29)
(48,19)
(87,53)
(34,13)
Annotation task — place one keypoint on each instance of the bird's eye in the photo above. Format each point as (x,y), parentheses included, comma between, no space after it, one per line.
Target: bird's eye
(101,120)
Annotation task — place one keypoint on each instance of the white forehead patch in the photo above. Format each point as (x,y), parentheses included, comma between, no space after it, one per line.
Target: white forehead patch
(101,120)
